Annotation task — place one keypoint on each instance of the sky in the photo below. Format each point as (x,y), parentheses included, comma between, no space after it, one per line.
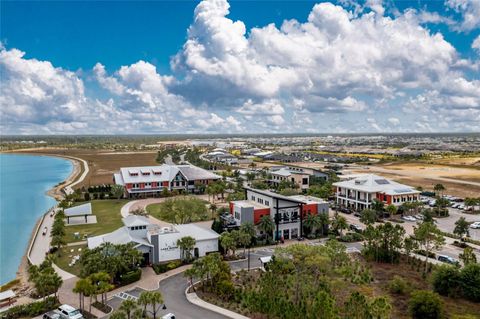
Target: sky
(213,66)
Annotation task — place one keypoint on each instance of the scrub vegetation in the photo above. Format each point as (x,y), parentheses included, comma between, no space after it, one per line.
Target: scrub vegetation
(181,210)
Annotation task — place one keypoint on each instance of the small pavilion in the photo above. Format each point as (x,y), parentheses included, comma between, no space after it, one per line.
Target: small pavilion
(84,210)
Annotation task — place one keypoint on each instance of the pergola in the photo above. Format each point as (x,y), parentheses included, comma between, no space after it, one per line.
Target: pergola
(81,210)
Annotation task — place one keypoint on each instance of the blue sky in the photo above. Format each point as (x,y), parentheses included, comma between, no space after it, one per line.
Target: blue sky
(239,66)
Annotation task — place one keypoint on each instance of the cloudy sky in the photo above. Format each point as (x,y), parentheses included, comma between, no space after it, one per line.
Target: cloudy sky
(105,67)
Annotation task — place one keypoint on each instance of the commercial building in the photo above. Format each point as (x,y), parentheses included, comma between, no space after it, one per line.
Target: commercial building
(359,191)
(157,243)
(152,180)
(287,212)
(299,176)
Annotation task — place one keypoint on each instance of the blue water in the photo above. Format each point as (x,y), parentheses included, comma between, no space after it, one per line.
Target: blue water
(24,179)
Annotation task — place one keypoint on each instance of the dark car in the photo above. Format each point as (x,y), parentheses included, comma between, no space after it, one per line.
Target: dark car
(356,228)
(346,210)
(357,214)
(447,259)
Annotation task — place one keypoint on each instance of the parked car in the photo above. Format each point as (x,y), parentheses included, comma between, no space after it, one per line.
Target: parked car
(461,206)
(168,316)
(475,225)
(51,315)
(357,214)
(346,210)
(68,312)
(45,230)
(455,205)
(447,259)
(409,218)
(356,228)
(419,217)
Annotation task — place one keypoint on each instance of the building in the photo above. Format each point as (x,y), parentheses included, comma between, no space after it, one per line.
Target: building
(299,176)
(152,180)
(359,191)
(158,244)
(286,211)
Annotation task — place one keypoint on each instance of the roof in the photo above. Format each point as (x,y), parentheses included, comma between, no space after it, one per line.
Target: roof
(117,177)
(164,173)
(195,173)
(135,220)
(80,210)
(117,237)
(282,172)
(273,195)
(374,183)
(249,203)
(7,294)
(197,232)
(309,199)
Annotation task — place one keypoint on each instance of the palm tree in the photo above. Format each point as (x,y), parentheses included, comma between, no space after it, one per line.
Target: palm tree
(470,202)
(213,208)
(244,239)
(339,223)
(82,288)
(128,306)
(266,225)
(155,299)
(323,221)
(391,209)
(186,244)
(227,241)
(461,227)
(439,188)
(248,228)
(117,191)
(144,301)
(309,222)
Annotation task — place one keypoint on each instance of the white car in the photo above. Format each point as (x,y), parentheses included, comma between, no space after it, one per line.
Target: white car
(475,225)
(461,206)
(455,205)
(68,312)
(409,218)
(168,316)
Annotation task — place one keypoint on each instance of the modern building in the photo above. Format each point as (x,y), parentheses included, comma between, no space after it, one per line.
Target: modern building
(299,176)
(287,212)
(158,244)
(358,191)
(152,180)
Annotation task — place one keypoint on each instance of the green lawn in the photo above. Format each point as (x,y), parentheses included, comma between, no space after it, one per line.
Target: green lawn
(108,220)
(180,210)
(66,256)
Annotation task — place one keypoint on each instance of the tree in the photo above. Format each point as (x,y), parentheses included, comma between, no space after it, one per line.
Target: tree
(380,308)
(117,191)
(322,221)
(58,242)
(356,307)
(144,301)
(470,202)
(468,256)
(128,307)
(368,216)
(266,225)
(446,280)
(118,315)
(244,239)
(424,304)
(391,209)
(439,188)
(428,237)
(461,227)
(323,306)
(83,287)
(227,242)
(470,282)
(155,299)
(339,223)
(309,223)
(378,206)
(213,209)
(410,245)
(186,244)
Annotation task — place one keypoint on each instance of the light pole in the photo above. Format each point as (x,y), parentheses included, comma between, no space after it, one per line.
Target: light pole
(248,259)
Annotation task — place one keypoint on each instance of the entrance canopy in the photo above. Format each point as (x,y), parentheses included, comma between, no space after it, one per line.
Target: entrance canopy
(80,210)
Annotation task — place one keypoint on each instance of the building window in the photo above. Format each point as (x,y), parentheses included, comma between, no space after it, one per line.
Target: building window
(267,203)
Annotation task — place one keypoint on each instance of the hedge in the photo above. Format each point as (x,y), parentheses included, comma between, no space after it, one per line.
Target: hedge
(32,309)
(130,277)
(164,267)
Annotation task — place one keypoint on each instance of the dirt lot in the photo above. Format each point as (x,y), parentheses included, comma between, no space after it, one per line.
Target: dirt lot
(102,164)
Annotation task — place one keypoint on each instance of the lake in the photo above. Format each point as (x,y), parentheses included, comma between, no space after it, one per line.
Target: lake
(24,181)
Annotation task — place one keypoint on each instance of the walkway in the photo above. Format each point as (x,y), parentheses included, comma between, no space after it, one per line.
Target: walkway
(68,189)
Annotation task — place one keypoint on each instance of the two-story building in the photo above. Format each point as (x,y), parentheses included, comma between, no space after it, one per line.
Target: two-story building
(152,180)
(298,176)
(287,212)
(359,191)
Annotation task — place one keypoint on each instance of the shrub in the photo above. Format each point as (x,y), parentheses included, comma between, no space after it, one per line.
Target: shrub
(398,285)
(32,309)
(164,267)
(424,253)
(351,237)
(424,304)
(470,282)
(446,280)
(130,277)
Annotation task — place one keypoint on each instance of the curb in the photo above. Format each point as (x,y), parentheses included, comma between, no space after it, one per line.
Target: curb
(194,299)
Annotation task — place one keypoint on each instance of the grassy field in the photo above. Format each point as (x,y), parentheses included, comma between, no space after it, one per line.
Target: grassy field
(189,210)
(108,220)
(66,256)
(102,164)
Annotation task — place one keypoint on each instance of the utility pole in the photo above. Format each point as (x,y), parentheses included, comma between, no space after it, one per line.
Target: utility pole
(248,259)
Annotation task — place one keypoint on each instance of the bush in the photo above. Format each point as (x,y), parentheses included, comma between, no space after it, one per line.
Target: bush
(446,280)
(460,244)
(398,285)
(130,277)
(32,309)
(351,237)
(424,304)
(470,282)
(164,267)
(424,253)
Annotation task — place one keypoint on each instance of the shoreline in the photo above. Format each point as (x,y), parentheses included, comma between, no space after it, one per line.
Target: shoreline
(56,192)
